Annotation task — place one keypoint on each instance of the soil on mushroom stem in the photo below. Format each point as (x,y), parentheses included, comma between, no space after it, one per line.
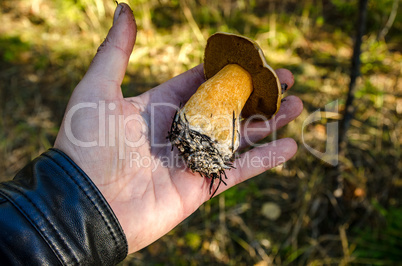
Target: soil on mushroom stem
(199,152)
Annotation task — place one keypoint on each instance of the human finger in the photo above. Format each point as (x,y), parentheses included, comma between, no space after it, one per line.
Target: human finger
(259,160)
(285,77)
(106,72)
(178,89)
(253,131)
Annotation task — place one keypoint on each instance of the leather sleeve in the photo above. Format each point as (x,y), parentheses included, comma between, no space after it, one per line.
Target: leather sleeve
(52,214)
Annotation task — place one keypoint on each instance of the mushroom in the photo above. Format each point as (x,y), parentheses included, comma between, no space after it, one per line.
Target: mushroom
(239,83)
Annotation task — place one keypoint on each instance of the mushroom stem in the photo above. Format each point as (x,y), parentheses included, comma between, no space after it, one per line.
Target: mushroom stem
(239,80)
(216,106)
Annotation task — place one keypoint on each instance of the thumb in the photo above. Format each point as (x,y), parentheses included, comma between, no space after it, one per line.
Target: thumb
(108,67)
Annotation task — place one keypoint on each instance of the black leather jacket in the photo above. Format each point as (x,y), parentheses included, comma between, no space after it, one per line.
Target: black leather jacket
(52,214)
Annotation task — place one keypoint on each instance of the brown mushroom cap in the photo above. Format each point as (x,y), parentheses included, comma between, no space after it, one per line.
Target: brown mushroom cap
(226,48)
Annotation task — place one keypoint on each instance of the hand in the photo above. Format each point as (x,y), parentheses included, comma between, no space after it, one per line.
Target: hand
(148,196)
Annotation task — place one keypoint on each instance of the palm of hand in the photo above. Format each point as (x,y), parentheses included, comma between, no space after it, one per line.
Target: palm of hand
(147,189)
(152,190)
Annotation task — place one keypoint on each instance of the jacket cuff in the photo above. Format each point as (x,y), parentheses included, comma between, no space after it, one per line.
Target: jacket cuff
(57,207)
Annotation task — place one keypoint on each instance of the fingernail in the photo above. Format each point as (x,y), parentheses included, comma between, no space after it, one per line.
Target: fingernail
(117,13)
(284,87)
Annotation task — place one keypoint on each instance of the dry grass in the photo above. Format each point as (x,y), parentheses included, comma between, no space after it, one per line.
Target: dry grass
(46,46)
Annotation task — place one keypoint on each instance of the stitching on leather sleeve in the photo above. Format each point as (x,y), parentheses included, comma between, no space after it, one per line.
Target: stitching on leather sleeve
(108,225)
(28,217)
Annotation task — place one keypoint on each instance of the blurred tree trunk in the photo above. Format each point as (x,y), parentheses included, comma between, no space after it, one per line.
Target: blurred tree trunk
(349,107)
